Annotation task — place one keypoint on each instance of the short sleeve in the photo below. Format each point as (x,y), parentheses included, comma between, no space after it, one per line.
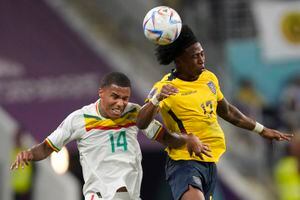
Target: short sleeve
(220,95)
(66,132)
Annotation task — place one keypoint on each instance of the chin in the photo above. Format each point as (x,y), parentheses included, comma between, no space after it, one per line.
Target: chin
(198,71)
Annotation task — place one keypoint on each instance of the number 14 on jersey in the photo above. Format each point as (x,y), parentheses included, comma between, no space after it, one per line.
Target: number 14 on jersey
(118,140)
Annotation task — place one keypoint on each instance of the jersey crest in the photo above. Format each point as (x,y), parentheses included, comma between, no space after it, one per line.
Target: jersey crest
(212,87)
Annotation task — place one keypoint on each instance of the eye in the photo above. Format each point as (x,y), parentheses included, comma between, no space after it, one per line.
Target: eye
(195,56)
(114,96)
(125,98)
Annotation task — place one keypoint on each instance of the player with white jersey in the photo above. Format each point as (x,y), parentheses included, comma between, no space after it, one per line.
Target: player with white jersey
(106,135)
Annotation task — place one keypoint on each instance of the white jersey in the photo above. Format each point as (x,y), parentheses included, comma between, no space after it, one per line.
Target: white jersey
(110,154)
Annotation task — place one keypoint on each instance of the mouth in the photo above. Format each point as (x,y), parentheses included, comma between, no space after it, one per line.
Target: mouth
(116,111)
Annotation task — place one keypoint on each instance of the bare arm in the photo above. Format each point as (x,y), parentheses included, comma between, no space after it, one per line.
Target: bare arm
(146,115)
(36,153)
(233,115)
(193,143)
(151,108)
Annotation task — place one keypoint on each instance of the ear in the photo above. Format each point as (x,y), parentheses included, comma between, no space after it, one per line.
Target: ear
(100,92)
(178,59)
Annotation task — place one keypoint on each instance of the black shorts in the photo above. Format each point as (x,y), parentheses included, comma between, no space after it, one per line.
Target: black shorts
(182,173)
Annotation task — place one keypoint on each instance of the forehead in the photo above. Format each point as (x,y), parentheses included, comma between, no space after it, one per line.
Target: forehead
(122,91)
(194,48)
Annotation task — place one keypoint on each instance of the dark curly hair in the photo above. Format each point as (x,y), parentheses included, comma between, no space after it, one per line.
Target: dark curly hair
(165,54)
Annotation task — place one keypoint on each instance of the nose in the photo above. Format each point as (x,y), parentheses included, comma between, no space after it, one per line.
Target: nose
(120,103)
(200,60)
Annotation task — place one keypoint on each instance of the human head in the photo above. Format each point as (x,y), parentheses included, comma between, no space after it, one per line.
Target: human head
(114,92)
(185,51)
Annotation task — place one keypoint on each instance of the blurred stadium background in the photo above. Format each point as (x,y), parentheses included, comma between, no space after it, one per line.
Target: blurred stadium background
(54,52)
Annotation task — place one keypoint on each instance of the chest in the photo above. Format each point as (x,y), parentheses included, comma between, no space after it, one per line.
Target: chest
(193,96)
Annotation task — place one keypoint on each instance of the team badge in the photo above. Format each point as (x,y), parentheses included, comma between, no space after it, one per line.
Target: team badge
(212,87)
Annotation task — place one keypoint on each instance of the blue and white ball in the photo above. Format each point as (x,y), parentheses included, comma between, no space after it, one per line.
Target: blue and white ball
(162,25)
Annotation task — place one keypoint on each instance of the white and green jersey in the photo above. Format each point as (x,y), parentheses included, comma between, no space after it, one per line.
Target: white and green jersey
(110,154)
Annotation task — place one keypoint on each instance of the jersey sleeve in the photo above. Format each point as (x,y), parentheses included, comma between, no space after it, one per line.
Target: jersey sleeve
(154,131)
(66,132)
(220,95)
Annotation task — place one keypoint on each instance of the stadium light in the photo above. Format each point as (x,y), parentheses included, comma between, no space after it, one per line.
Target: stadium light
(60,161)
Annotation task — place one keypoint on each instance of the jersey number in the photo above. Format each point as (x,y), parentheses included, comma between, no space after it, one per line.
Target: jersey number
(119,140)
(207,108)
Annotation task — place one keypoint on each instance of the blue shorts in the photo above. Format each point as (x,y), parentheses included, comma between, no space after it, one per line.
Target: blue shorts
(182,173)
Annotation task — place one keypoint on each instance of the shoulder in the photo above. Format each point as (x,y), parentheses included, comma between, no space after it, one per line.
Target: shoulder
(79,114)
(76,116)
(210,75)
(167,78)
(132,107)
(90,109)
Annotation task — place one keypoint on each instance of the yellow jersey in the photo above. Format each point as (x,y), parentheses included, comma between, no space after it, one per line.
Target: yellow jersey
(193,110)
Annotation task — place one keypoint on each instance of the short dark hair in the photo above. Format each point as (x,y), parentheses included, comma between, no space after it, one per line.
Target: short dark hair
(116,78)
(165,54)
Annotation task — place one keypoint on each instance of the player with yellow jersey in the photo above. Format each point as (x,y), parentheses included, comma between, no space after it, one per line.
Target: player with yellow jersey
(189,100)
(193,109)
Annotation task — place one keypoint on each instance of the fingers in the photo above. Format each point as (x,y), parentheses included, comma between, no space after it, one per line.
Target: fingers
(276,135)
(13,166)
(199,154)
(207,153)
(23,158)
(200,150)
(286,137)
(168,90)
(283,136)
(190,152)
(206,147)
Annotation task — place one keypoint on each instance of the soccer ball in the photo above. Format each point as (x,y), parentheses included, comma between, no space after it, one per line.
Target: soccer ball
(162,25)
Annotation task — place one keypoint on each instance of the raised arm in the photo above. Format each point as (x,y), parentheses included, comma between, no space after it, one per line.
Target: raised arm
(146,115)
(233,115)
(36,153)
(151,108)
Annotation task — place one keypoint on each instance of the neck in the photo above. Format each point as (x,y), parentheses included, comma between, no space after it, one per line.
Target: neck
(187,77)
(101,112)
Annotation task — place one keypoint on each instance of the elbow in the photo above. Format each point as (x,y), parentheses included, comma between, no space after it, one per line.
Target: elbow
(140,124)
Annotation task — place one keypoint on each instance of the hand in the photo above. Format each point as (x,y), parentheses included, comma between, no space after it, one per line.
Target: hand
(194,145)
(166,91)
(23,158)
(272,134)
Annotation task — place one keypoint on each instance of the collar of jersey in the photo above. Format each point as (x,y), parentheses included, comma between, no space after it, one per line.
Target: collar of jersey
(98,109)
(174,77)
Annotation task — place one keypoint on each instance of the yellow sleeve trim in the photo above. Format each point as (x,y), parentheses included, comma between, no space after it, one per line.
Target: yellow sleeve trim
(158,133)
